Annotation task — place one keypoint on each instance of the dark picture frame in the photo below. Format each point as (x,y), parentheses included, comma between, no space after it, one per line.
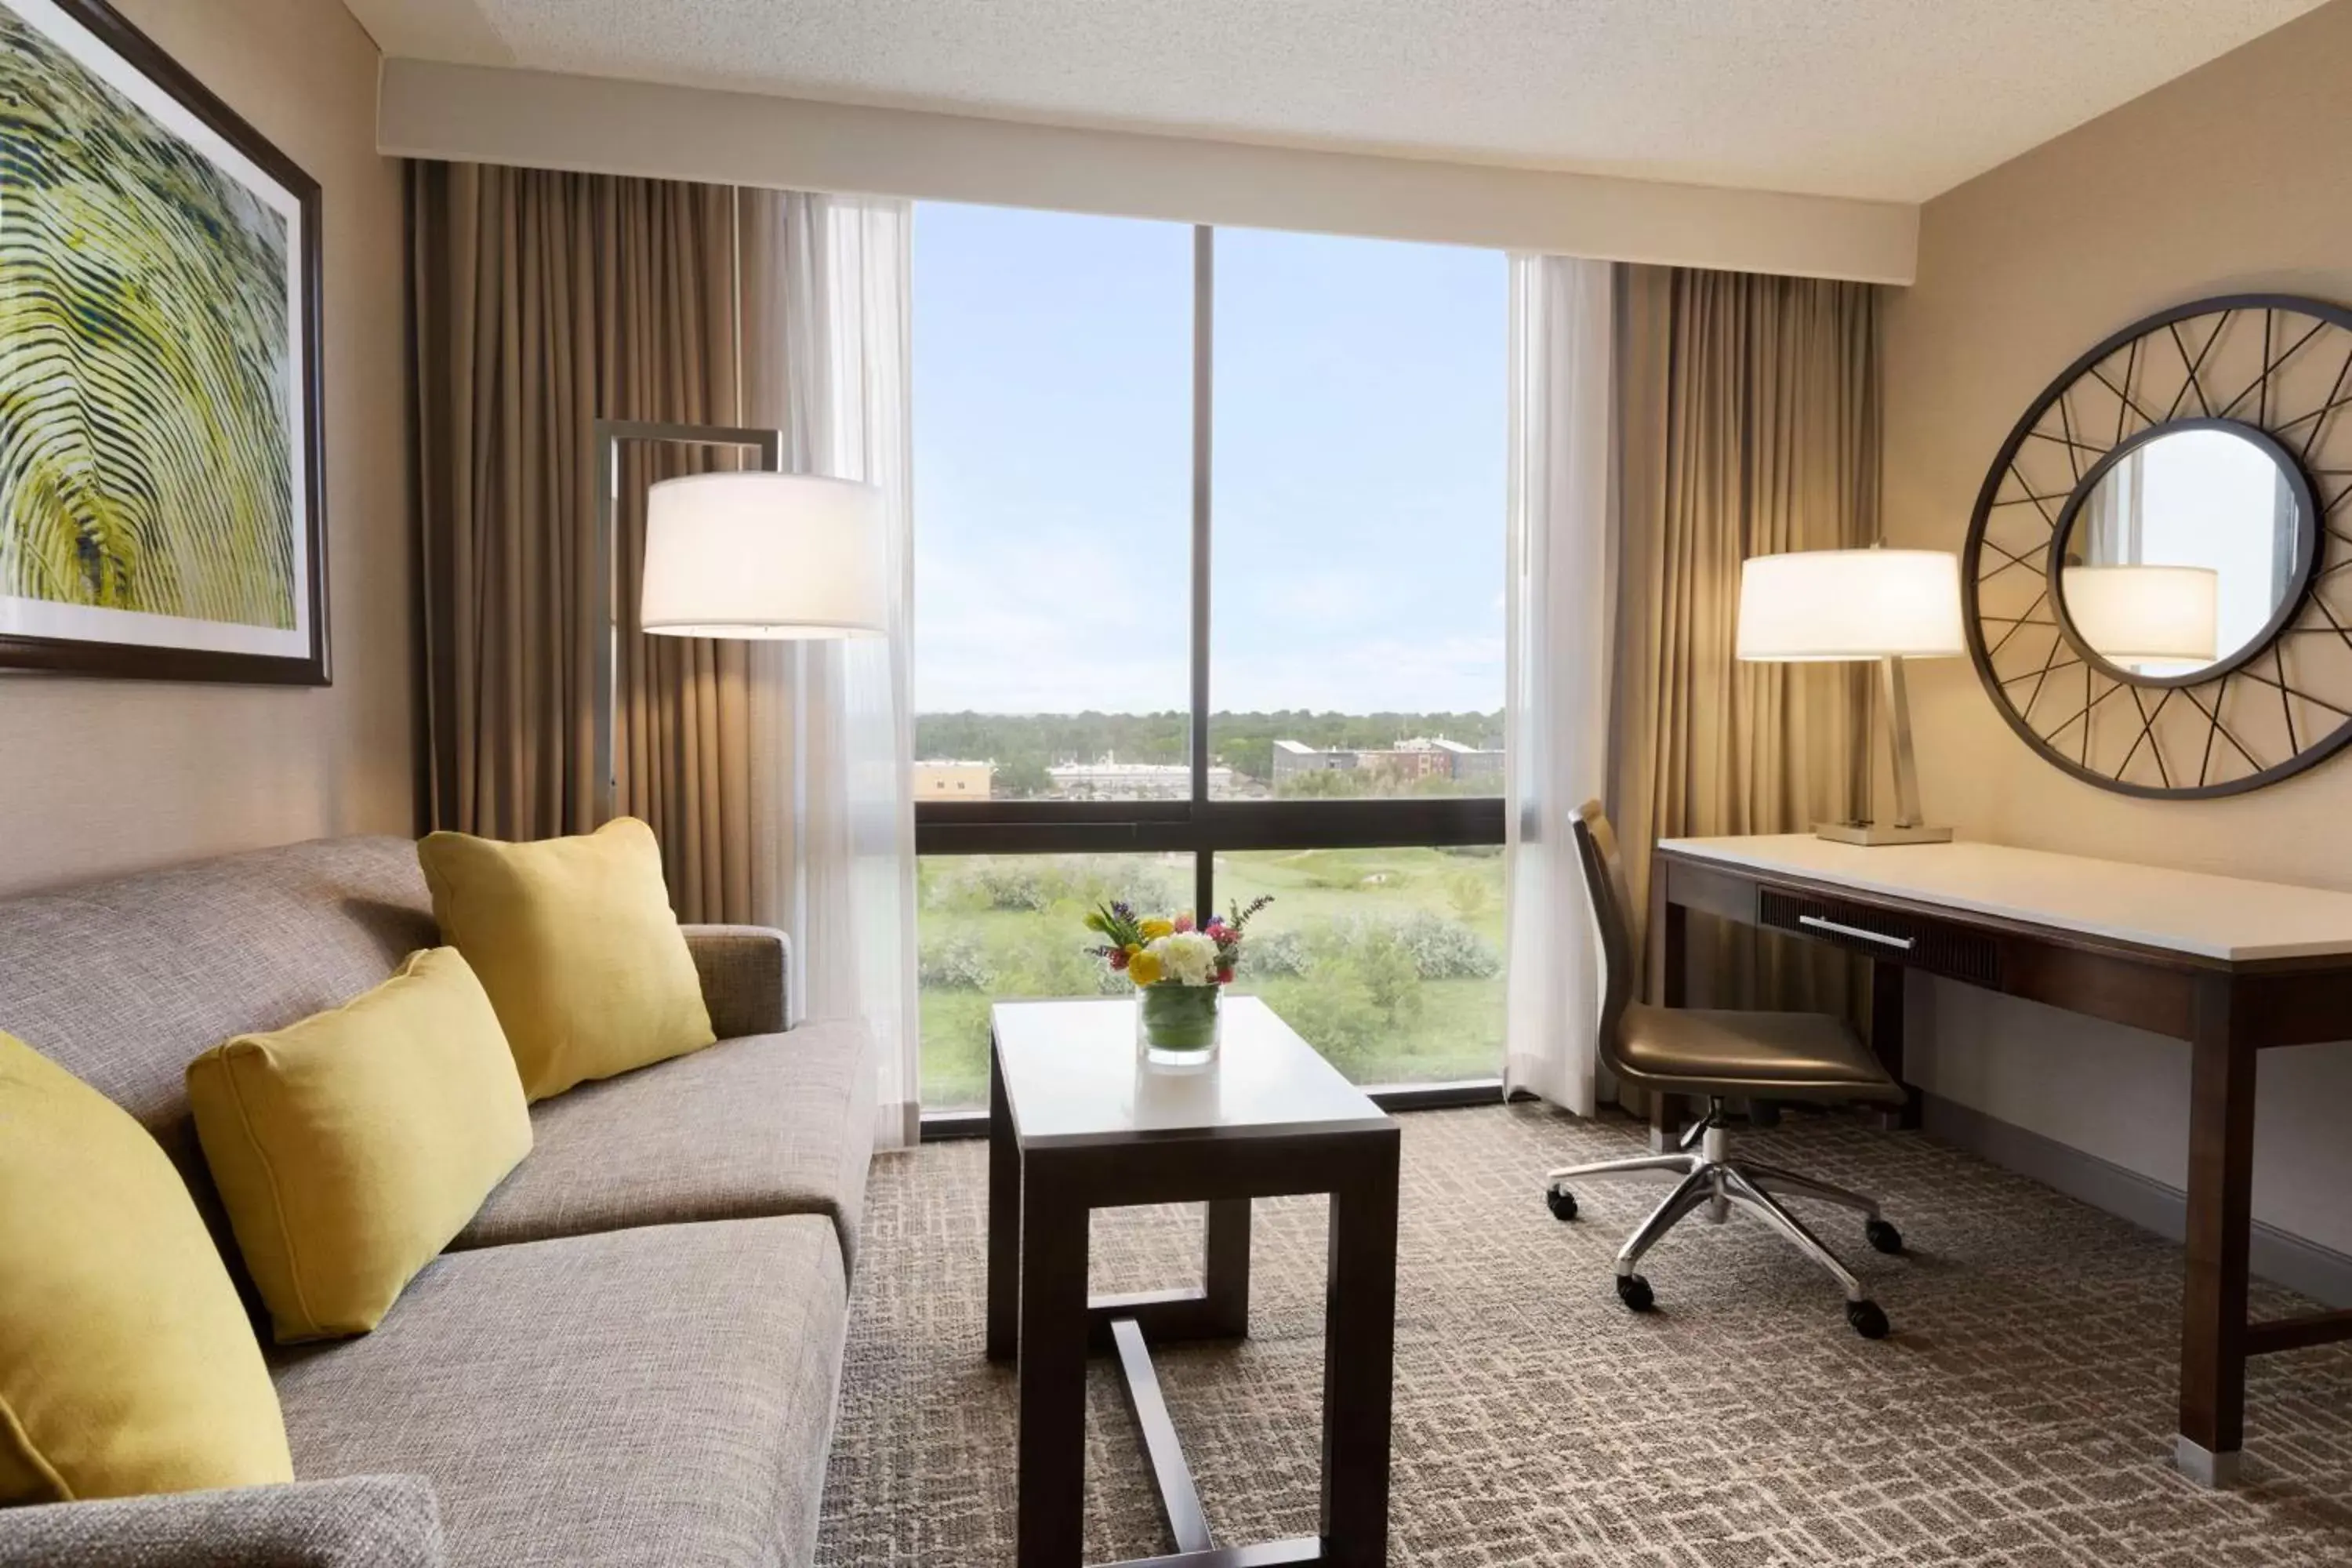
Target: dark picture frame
(152,645)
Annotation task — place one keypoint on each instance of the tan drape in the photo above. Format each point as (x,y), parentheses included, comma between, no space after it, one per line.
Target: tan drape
(541,300)
(1748,408)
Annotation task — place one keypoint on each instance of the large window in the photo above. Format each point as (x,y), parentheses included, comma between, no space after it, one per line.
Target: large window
(1052,410)
(1389,961)
(1209,580)
(1356,647)
(1007,925)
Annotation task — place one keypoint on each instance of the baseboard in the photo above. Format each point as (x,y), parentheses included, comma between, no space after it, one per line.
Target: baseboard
(2321,1273)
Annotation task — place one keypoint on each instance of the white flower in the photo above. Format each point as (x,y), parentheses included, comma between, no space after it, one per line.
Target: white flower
(1187,958)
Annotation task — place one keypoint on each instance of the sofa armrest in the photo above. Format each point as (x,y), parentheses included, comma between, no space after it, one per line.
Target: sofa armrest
(743,971)
(359,1521)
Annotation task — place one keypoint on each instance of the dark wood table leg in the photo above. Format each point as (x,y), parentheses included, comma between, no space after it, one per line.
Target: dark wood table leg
(2220,1214)
(1886,1041)
(1051,1460)
(1669,978)
(1004,1221)
(1225,1270)
(1359,1357)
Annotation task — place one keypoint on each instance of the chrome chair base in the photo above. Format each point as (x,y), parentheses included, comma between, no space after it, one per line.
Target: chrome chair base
(1707,1177)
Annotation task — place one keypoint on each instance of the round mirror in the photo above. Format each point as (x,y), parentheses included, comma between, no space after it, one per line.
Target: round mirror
(2183,551)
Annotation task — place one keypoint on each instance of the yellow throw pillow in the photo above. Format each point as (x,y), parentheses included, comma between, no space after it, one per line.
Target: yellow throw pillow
(576,943)
(127,1363)
(348,1148)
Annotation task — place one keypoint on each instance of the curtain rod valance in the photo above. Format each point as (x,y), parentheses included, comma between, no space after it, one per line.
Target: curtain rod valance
(541,120)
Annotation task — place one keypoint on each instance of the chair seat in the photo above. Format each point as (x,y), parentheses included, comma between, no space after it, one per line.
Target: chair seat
(1785,1056)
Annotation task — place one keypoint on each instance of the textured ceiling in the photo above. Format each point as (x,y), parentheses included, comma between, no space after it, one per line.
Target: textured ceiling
(1893,99)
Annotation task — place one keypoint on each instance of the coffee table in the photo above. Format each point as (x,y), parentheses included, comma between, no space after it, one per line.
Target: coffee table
(1077,1122)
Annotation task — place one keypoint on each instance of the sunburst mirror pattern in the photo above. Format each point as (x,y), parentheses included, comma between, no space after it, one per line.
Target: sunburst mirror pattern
(2206,452)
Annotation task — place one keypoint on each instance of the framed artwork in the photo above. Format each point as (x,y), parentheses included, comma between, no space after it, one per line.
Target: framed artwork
(161,513)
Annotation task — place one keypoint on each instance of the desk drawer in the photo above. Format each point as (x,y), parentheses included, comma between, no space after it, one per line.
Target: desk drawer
(1895,934)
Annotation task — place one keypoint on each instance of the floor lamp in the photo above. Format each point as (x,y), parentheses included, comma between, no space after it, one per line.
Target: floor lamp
(753,553)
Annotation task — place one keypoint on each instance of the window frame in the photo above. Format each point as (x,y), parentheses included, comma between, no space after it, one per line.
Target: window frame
(1199,824)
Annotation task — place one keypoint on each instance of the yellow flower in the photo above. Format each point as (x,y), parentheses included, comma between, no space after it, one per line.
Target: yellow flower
(1158,928)
(1143,968)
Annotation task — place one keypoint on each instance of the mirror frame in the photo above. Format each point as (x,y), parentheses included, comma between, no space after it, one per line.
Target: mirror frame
(2290,605)
(2190,720)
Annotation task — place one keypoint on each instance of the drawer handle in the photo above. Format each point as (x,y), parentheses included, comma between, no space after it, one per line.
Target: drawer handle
(1819,923)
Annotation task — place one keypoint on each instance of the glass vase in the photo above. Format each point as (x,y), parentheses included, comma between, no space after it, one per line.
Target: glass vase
(1177,1026)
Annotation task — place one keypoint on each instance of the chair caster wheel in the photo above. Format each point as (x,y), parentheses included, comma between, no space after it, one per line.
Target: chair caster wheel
(1867,1320)
(1884,1237)
(1563,1203)
(1634,1291)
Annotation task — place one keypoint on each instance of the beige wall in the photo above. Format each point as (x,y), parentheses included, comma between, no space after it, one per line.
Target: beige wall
(2234,177)
(99,776)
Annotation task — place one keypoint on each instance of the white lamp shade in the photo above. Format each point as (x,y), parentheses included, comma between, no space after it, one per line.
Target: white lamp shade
(765,555)
(1823,605)
(2130,614)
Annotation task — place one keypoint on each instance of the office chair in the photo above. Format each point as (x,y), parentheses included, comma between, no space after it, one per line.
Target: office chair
(1713,1056)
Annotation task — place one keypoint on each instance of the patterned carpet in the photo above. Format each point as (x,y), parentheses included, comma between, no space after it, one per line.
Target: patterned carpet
(2020,1414)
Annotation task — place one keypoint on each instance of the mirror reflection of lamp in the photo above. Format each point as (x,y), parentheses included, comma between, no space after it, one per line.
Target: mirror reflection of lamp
(2139,615)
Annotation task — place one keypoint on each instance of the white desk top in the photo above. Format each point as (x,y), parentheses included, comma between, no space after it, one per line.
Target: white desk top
(2183,911)
(1073,1076)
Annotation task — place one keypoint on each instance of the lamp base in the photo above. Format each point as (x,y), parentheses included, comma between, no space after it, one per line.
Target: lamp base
(1875,833)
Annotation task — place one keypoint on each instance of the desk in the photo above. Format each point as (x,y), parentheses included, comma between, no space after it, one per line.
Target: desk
(2232,966)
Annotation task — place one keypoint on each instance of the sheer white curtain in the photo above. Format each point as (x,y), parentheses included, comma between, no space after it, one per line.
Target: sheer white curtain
(1559,625)
(833,722)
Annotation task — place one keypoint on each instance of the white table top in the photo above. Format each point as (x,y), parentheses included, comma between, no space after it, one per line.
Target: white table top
(2182,911)
(1073,1076)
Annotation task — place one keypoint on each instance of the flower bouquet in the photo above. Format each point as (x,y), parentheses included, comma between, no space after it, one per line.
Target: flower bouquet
(1179,970)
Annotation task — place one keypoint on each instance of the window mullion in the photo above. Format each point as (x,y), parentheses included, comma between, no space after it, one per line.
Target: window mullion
(1204,252)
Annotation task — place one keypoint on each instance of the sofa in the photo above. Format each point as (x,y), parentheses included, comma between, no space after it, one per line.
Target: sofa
(631,1355)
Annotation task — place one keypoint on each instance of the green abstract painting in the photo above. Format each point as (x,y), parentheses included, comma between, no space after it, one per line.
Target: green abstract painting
(151,446)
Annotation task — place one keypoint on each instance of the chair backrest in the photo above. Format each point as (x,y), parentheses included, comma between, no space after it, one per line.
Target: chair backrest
(1604,883)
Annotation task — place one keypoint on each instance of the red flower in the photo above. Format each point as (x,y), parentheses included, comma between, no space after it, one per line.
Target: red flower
(1118,957)
(1225,977)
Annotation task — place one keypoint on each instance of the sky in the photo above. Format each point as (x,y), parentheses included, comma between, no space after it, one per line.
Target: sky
(1358,459)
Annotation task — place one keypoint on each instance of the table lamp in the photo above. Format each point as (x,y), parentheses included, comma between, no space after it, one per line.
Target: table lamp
(1838,605)
(748,554)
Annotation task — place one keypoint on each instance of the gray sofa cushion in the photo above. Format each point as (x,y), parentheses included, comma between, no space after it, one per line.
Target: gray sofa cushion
(361,1521)
(663,1396)
(766,1124)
